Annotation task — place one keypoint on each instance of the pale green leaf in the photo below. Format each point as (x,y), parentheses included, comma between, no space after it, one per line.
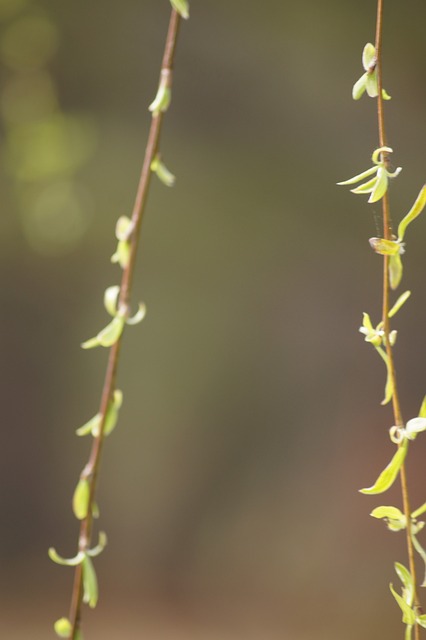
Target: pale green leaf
(366,187)
(406,578)
(377,154)
(380,186)
(123,228)
(415,211)
(384,247)
(112,414)
(71,562)
(369,56)
(63,627)
(100,546)
(359,87)
(90,426)
(415,426)
(80,501)
(122,254)
(371,84)
(398,304)
(162,100)
(385,95)
(389,474)
(387,512)
(395,271)
(139,315)
(110,299)
(163,174)
(408,615)
(111,333)
(418,512)
(182,7)
(389,389)
(90,583)
(359,177)
(421,620)
(422,553)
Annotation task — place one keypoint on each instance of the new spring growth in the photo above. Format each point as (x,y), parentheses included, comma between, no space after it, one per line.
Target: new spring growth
(368,81)
(182,7)
(112,332)
(123,232)
(378,185)
(161,171)
(395,248)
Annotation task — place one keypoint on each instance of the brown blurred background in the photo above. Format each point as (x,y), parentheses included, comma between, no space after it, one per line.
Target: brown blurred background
(251,411)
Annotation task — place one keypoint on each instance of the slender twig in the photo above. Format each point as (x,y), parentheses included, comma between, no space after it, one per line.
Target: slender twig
(387,231)
(91,471)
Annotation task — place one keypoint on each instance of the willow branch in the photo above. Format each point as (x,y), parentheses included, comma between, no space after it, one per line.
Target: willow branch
(387,231)
(91,471)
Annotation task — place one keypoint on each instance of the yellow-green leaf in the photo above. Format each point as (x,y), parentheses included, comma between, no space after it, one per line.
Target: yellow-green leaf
(389,474)
(63,627)
(90,583)
(395,271)
(80,501)
(415,211)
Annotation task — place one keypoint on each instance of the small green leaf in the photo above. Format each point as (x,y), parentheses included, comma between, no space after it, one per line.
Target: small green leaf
(63,627)
(395,271)
(163,174)
(80,501)
(371,84)
(359,87)
(90,426)
(122,254)
(162,99)
(397,306)
(389,389)
(422,553)
(408,615)
(385,247)
(111,333)
(108,335)
(139,315)
(387,512)
(90,583)
(123,228)
(110,299)
(366,187)
(415,211)
(389,474)
(359,177)
(418,512)
(385,95)
(381,185)
(369,56)
(415,426)
(182,7)
(71,562)
(100,546)
(405,576)
(112,414)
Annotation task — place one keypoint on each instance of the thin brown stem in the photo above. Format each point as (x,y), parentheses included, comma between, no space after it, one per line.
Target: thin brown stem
(387,232)
(91,470)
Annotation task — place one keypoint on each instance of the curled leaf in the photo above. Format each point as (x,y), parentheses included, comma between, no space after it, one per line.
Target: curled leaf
(387,512)
(99,547)
(110,299)
(389,388)
(389,474)
(369,56)
(385,247)
(139,315)
(71,562)
(80,501)
(415,426)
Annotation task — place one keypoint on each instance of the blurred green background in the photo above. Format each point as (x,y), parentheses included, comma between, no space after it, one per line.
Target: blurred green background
(251,411)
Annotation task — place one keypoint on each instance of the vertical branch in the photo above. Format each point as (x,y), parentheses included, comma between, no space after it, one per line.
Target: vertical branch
(387,232)
(91,470)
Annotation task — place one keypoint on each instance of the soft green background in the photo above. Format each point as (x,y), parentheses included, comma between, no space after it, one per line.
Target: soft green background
(251,411)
